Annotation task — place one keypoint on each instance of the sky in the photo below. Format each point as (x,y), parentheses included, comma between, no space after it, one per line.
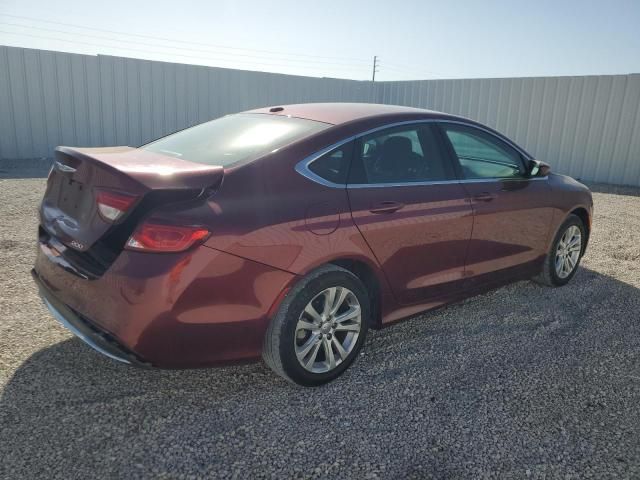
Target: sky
(413,39)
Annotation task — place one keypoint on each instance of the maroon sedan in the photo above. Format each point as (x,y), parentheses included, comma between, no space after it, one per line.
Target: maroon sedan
(287,232)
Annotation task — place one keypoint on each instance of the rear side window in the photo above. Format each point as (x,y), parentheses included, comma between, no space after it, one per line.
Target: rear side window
(482,155)
(234,138)
(401,155)
(334,166)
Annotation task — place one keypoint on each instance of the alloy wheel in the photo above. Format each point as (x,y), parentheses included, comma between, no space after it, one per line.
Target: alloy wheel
(327,330)
(568,252)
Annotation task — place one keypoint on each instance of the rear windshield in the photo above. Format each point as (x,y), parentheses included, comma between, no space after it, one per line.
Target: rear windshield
(234,138)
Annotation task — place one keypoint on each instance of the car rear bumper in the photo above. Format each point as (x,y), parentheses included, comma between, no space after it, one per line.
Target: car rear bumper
(82,328)
(193,309)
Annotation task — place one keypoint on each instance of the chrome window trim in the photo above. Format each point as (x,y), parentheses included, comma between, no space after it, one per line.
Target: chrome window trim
(302,167)
(442,182)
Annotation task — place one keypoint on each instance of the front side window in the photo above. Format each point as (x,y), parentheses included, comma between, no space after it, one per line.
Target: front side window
(234,138)
(482,155)
(401,155)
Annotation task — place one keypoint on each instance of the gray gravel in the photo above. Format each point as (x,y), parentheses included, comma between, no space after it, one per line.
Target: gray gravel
(525,381)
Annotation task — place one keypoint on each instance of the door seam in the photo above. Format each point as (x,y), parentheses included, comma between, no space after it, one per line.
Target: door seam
(369,246)
(473,224)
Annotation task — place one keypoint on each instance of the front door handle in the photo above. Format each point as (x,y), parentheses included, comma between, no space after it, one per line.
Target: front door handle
(484,197)
(386,207)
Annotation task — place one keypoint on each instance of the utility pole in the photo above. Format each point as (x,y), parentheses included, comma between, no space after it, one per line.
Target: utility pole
(376,63)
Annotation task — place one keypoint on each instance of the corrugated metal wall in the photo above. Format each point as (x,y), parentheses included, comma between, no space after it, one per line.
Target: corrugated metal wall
(588,127)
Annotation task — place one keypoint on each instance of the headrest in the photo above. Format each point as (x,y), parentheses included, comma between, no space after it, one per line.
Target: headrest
(396,147)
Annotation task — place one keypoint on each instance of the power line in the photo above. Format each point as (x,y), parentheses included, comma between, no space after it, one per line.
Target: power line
(129,42)
(168,53)
(414,75)
(352,64)
(406,68)
(292,64)
(172,40)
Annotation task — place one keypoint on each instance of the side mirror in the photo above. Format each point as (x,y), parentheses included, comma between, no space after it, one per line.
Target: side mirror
(538,168)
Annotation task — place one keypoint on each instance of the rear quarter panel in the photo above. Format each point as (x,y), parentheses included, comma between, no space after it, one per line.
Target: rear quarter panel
(267,212)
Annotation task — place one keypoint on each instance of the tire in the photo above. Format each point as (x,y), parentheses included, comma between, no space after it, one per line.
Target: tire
(288,337)
(550,275)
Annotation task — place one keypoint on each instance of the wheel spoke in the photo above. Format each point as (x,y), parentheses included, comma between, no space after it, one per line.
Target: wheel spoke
(559,261)
(342,353)
(349,314)
(304,325)
(560,267)
(329,298)
(312,358)
(566,266)
(348,327)
(308,345)
(311,311)
(328,351)
(570,262)
(339,300)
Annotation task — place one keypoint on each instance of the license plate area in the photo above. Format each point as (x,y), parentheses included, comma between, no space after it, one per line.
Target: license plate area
(71,196)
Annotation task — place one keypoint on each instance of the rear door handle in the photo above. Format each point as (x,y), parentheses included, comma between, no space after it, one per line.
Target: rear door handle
(386,207)
(484,197)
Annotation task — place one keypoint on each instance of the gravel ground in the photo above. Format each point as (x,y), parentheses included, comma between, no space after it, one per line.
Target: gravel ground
(525,381)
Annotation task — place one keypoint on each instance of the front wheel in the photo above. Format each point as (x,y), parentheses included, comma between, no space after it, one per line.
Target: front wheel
(561,262)
(319,328)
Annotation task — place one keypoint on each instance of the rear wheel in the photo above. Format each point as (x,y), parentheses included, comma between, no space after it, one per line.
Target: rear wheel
(563,259)
(319,328)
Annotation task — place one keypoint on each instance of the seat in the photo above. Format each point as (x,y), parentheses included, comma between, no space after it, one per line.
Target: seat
(398,162)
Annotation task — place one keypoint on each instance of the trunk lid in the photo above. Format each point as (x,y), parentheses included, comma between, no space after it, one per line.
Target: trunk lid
(69,210)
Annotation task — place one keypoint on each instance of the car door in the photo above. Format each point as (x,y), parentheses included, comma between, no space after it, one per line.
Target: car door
(411,210)
(512,214)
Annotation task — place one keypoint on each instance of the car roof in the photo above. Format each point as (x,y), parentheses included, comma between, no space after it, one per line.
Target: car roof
(337,113)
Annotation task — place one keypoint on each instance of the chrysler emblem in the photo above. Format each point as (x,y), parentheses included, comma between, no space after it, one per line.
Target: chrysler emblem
(63,168)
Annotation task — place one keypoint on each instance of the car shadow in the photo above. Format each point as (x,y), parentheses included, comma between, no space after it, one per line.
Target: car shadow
(66,394)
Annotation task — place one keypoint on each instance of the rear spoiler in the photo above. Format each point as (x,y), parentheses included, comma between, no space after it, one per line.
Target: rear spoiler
(148,169)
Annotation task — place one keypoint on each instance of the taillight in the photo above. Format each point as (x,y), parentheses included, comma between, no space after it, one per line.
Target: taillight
(113,205)
(152,237)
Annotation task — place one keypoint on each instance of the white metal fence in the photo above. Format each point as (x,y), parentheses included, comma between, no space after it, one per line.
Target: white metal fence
(588,127)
